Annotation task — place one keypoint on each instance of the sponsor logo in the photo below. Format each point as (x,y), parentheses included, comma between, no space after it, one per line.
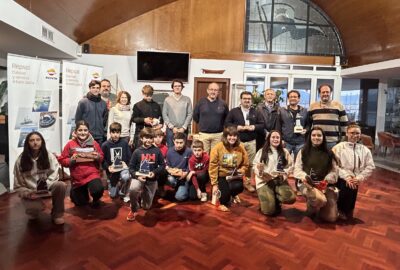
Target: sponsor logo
(95,75)
(51,74)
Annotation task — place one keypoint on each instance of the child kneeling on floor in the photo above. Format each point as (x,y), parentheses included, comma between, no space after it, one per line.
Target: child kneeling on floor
(117,155)
(198,169)
(146,164)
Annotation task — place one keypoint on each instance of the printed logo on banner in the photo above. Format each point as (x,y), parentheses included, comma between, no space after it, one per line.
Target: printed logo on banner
(51,74)
(95,75)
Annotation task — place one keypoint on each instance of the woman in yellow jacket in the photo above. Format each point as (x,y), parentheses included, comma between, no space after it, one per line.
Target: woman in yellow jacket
(228,164)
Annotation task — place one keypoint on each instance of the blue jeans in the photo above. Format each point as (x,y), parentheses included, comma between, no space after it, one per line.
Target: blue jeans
(295,148)
(184,189)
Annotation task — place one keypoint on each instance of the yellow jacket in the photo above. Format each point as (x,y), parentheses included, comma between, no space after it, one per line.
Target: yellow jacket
(224,161)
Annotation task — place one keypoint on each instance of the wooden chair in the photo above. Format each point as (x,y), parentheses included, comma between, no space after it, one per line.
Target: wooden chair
(386,140)
(367,141)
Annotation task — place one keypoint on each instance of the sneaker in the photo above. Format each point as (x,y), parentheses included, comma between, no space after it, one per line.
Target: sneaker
(236,199)
(127,199)
(59,221)
(131,216)
(223,208)
(247,185)
(199,193)
(342,216)
(203,197)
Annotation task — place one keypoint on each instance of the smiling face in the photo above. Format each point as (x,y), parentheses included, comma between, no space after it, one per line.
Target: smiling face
(35,142)
(275,139)
(245,101)
(353,134)
(212,91)
(105,89)
(95,89)
(123,99)
(82,132)
(269,96)
(147,141)
(293,99)
(325,93)
(316,137)
(232,139)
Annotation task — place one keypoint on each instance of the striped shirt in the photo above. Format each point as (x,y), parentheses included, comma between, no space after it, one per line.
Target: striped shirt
(331,117)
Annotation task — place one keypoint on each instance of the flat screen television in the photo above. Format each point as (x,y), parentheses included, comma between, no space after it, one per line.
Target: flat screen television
(162,66)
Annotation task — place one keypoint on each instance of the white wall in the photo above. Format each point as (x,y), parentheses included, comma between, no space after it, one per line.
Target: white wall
(125,68)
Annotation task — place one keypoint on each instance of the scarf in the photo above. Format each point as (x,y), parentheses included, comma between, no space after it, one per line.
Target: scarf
(93,98)
(121,107)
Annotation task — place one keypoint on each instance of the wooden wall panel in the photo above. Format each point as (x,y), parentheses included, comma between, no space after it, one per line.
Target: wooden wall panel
(206,28)
(370,29)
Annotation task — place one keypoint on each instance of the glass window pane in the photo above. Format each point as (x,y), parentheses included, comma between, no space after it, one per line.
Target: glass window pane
(392,116)
(257,37)
(255,80)
(280,85)
(323,40)
(304,87)
(289,38)
(290,11)
(317,18)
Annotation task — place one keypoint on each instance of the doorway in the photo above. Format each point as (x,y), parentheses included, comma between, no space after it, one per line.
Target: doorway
(200,90)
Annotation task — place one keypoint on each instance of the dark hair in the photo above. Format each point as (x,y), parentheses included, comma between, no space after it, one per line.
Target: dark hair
(146,132)
(93,83)
(148,89)
(294,91)
(180,136)
(119,95)
(267,149)
(81,123)
(176,81)
(198,144)
(244,93)
(325,84)
(115,126)
(305,152)
(26,163)
(105,80)
(231,130)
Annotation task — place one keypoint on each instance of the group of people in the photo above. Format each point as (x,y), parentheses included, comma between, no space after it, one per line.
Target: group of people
(267,143)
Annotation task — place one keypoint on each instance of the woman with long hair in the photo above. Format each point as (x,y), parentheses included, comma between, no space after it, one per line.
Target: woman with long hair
(121,113)
(272,165)
(36,176)
(228,164)
(355,166)
(316,168)
(83,156)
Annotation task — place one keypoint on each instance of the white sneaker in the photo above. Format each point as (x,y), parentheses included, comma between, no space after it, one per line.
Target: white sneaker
(203,197)
(199,193)
(236,199)
(127,199)
(59,221)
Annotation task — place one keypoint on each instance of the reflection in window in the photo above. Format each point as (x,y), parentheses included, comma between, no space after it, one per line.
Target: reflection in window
(392,116)
(304,87)
(290,26)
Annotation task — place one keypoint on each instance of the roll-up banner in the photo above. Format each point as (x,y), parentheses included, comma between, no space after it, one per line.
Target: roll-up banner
(33,103)
(75,85)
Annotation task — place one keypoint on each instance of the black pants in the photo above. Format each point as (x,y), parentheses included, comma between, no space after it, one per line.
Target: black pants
(347,198)
(202,180)
(80,195)
(229,189)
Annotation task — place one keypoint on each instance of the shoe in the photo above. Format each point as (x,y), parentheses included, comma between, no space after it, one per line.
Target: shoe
(342,216)
(223,208)
(199,193)
(113,191)
(203,197)
(247,185)
(127,199)
(59,221)
(131,216)
(236,199)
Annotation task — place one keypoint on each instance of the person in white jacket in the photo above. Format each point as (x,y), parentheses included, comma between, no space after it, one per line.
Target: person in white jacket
(272,164)
(36,176)
(355,166)
(316,168)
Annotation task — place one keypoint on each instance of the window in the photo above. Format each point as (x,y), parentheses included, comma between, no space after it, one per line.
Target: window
(290,27)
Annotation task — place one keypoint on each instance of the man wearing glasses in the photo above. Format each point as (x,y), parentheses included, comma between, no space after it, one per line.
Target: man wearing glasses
(210,113)
(177,112)
(248,123)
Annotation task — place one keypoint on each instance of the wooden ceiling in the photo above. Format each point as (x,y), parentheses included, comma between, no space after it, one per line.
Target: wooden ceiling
(82,20)
(370,29)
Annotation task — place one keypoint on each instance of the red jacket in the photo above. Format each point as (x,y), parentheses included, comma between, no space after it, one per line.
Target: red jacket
(81,173)
(199,164)
(164,149)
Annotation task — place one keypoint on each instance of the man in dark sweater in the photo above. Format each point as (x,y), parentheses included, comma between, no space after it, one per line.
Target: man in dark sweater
(248,122)
(146,113)
(210,113)
(145,166)
(116,159)
(93,110)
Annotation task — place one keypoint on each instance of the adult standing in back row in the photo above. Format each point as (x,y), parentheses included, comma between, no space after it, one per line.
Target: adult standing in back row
(210,113)
(92,109)
(177,112)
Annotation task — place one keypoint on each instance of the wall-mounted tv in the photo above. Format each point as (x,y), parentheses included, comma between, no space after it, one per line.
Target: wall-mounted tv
(162,66)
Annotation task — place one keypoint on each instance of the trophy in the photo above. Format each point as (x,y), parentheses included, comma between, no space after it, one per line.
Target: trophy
(298,128)
(41,189)
(117,164)
(144,169)
(279,165)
